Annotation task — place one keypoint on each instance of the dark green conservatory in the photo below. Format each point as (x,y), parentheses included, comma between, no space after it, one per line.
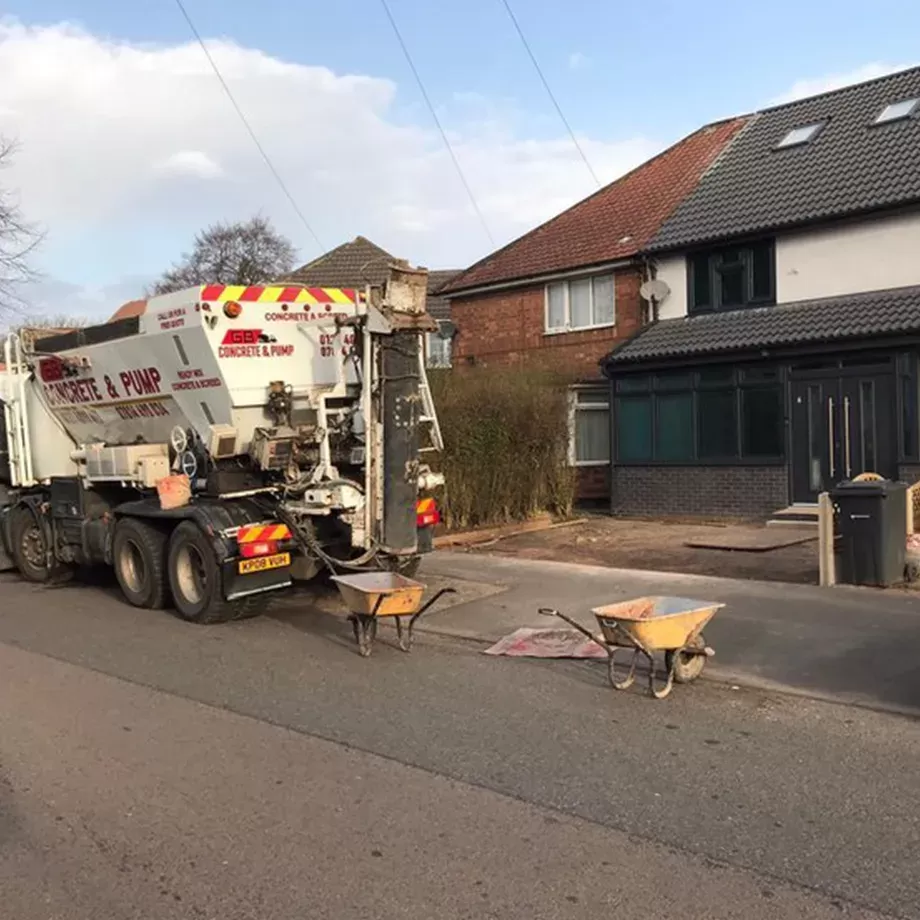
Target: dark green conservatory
(742,413)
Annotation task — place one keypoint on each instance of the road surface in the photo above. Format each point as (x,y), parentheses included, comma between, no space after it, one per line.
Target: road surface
(152,769)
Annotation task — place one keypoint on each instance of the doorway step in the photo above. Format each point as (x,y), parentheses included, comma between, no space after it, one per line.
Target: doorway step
(798,514)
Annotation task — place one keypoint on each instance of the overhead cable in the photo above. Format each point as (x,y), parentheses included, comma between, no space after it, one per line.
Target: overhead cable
(549,92)
(248,126)
(437,121)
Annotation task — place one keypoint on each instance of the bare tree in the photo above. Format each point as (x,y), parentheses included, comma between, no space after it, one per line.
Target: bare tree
(250,252)
(17,241)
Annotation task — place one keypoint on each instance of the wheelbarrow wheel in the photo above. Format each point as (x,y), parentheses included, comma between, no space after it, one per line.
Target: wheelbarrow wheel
(687,663)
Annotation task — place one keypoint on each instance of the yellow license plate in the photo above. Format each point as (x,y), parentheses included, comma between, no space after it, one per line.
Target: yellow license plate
(264,563)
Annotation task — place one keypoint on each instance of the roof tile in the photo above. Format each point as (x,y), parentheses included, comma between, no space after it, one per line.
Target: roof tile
(876,313)
(614,223)
(851,166)
(362,262)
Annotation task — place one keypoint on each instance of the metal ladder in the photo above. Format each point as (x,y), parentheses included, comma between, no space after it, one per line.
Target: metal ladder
(429,414)
(16,414)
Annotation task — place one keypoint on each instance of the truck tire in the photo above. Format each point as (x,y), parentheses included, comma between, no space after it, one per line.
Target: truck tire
(195,580)
(28,546)
(256,605)
(139,555)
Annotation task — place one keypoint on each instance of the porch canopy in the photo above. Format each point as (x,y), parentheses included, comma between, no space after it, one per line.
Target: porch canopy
(828,323)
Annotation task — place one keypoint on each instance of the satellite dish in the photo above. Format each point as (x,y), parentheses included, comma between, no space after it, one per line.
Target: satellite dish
(655,289)
(446,329)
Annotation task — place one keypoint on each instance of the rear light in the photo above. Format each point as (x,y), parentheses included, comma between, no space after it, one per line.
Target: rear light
(51,369)
(426,513)
(261,539)
(232,309)
(256,533)
(262,548)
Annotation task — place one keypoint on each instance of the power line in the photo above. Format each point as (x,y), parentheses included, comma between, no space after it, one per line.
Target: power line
(248,126)
(437,121)
(549,92)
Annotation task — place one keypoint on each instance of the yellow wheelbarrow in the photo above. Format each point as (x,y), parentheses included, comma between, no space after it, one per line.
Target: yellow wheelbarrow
(371,595)
(646,625)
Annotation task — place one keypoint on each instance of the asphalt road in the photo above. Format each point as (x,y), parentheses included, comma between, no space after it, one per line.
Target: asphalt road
(149,769)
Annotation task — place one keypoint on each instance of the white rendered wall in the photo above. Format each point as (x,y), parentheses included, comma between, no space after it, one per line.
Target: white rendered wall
(846,259)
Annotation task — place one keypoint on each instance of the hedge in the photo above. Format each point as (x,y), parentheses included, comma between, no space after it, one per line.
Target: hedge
(506,435)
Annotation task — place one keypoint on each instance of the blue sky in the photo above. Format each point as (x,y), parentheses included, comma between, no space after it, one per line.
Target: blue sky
(361,157)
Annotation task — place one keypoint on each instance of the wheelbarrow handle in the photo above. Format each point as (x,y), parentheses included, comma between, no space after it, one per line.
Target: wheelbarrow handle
(552,612)
(405,643)
(431,601)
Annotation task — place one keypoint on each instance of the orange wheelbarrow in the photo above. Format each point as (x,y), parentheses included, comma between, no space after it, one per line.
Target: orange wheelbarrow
(371,595)
(646,625)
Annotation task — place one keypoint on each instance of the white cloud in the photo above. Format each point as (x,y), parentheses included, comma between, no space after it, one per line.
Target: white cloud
(191,163)
(813,86)
(578,60)
(51,298)
(121,144)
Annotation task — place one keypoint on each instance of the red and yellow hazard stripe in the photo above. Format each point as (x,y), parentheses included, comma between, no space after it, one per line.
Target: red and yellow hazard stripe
(220,293)
(257,533)
(425,506)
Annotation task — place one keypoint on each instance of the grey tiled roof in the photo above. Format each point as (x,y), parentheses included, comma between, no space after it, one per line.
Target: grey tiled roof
(850,167)
(359,263)
(877,313)
(439,306)
(353,264)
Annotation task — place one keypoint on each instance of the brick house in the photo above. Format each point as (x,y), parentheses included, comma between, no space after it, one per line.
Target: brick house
(563,294)
(361,262)
(783,354)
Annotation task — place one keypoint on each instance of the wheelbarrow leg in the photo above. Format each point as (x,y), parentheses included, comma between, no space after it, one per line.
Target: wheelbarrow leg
(403,636)
(365,630)
(660,692)
(405,642)
(640,649)
(630,678)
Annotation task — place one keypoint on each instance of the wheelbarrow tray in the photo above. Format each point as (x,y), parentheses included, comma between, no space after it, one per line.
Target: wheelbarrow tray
(657,623)
(382,594)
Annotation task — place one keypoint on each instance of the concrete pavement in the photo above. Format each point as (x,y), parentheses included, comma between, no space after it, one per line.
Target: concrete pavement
(791,793)
(847,644)
(121,802)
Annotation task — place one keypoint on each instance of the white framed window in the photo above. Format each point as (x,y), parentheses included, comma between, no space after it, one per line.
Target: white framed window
(437,350)
(896,111)
(804,134)
(589,441)
(580,303)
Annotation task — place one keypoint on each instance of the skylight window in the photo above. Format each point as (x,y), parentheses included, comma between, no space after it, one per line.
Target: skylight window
(895,111)
(801,135)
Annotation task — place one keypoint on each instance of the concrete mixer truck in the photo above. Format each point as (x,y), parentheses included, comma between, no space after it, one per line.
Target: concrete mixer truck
(223,443)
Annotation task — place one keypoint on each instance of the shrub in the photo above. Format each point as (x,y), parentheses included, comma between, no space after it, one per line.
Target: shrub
(505,445)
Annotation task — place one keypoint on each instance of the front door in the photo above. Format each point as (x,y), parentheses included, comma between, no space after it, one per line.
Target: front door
(867,426)
(841,426)
(813,460)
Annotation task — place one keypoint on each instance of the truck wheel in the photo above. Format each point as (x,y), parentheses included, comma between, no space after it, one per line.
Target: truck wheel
(194,578)
(256,605)
(28,546)
(139,551)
